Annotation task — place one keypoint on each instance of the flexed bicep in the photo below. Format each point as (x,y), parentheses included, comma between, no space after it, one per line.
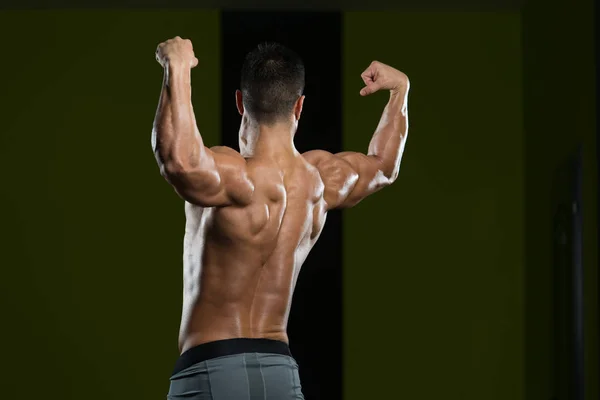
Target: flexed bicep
(349,177)
(370,177)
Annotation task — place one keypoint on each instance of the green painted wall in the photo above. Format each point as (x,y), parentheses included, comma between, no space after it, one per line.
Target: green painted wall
(434,276)
(560,113)
(434,265)
(87,273)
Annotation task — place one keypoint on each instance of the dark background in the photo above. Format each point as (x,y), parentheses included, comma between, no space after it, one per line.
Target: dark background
(447,276)
(315,327)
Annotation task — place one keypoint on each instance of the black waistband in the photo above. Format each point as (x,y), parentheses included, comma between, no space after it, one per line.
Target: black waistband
(228,347)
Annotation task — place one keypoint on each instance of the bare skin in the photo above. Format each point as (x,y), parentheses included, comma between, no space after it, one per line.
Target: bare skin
(252,217)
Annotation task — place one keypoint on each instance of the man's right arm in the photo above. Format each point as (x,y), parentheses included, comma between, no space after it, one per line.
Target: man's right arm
(206,177)
(349,177)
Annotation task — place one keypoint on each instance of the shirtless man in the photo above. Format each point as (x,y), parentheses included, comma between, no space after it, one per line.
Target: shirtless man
(252,217)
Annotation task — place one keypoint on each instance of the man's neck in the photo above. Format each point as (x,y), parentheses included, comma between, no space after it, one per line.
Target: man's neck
(274,141)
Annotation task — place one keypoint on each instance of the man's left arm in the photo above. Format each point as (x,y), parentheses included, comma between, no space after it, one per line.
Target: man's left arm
(349,177)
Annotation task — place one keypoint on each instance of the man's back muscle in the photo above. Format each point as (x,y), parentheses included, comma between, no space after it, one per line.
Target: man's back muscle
(241,262)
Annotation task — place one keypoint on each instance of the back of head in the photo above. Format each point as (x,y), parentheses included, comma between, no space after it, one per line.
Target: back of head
(272,82)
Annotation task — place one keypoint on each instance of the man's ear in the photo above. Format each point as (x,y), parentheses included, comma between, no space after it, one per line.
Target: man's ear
(298,107)
(239,101)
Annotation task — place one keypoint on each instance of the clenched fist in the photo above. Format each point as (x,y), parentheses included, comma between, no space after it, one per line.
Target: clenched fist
(381,76)
(176,51)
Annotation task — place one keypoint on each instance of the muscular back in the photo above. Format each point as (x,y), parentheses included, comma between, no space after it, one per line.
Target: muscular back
(252,222)
(241,261)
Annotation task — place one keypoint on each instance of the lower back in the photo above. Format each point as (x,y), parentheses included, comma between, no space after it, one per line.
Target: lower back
(241,263)
(222,308)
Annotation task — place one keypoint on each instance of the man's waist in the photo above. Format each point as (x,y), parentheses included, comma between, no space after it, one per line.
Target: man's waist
(228,347)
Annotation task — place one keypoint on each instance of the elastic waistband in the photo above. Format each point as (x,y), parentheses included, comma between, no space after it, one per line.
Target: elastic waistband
(228,347)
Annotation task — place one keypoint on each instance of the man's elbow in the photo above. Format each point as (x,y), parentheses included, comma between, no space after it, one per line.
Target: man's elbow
(380,180)
(391,170)
(168,166)
(392,176)
(180,165)
(184,177)
(388,175)
(173,169)
(387,171)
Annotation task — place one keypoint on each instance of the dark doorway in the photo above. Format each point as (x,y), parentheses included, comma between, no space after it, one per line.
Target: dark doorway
(568,309)
(315,326)
(597,31)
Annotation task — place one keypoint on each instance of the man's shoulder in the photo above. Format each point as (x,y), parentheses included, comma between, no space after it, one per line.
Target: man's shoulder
(314,157)
(227,154)
(225,150)
(325,160)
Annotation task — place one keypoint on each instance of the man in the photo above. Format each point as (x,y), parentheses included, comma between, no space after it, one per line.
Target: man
(253,216)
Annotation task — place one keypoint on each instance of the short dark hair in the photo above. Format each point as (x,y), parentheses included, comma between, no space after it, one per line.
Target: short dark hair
(272,81)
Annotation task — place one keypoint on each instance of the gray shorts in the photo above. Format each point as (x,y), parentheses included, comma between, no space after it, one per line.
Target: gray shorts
(234,369)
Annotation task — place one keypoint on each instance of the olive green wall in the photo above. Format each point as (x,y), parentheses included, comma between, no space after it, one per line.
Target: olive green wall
(87,271)
(434,265)
(560,113)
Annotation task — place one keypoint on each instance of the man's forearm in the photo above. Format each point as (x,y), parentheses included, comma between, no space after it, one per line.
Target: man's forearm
(390,136)
(175,138)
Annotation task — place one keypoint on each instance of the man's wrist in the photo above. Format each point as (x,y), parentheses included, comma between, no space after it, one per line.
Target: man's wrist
(177,65)
(176,71)
(400,89)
